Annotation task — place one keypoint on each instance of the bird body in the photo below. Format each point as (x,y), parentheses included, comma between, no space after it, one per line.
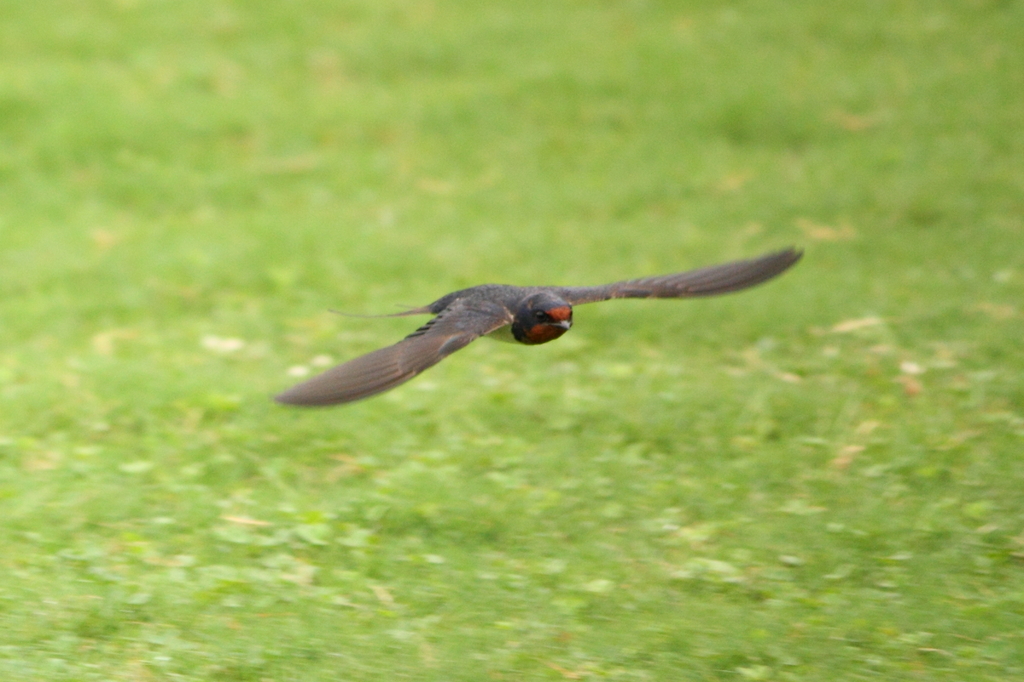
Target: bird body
(527,315)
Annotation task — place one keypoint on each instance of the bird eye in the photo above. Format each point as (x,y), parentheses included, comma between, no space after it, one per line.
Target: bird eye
(540,315)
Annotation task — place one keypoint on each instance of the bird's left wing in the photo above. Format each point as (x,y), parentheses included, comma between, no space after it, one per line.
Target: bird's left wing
(453,328)
(709,281)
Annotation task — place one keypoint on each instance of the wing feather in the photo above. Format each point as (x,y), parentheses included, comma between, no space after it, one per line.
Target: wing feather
(383,369)
(709,281)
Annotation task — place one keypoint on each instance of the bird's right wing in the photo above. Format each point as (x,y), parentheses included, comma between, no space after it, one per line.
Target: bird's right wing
(452,329)
(709,281)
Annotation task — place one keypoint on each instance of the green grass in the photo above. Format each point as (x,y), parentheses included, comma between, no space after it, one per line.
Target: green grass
(819,479)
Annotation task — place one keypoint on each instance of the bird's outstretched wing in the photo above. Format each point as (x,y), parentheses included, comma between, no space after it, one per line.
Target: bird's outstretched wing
(716,279)
(376,372)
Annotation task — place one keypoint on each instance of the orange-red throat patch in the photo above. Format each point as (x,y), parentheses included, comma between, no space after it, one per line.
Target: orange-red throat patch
(542,333)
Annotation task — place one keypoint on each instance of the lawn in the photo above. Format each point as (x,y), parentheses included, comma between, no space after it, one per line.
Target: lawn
(818,479)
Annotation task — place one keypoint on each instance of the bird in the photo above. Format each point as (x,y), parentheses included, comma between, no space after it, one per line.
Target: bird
(529,315)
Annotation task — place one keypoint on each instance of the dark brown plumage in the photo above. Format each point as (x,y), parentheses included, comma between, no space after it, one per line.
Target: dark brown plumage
(530,315)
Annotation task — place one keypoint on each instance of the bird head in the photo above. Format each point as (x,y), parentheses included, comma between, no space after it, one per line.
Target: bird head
(541,318)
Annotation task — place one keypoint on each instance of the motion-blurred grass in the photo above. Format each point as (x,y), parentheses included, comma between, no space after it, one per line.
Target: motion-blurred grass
(817,479)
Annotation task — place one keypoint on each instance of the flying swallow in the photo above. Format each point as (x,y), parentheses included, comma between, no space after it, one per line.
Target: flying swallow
(528,315)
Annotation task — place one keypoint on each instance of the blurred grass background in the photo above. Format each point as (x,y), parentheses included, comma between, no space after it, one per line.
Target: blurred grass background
(817,479)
